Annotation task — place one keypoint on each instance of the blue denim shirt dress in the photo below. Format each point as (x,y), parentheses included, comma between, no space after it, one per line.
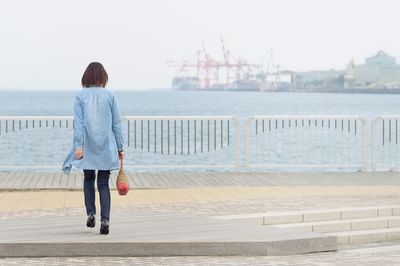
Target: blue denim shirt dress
(97,129)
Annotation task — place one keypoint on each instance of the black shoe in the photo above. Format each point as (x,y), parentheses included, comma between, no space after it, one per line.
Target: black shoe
(104,228)
(91,221)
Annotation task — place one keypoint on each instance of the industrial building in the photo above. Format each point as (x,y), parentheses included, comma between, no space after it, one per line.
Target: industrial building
(318,80)
(379,72)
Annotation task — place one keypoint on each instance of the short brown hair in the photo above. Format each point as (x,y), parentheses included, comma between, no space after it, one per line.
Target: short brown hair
(95,75)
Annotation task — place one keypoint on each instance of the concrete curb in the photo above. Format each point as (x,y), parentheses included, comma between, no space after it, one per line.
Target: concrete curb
(267,248)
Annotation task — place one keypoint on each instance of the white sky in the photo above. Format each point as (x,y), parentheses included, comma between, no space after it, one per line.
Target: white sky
(46,44)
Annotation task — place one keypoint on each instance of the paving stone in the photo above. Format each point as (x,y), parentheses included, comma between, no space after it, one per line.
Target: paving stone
(343,239)
(385,211)
(396,211)
(359,214)
(394,223)
(277,219)
(324,216)
(367,238)
(369,225)
(334,227)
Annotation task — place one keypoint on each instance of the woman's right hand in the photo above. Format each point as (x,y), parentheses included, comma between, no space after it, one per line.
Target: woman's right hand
(79,153)
(121,155)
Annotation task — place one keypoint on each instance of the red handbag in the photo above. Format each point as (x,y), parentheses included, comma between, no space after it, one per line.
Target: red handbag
(122,181)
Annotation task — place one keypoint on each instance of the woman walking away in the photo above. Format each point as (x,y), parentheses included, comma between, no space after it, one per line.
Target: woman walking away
(98,142)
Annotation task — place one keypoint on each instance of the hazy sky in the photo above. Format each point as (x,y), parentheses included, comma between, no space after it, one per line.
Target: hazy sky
(46,44)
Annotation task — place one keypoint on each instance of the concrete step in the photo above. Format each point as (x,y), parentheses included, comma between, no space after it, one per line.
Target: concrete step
(367,236)
(345,225)
(350,225)
(314,215)
(148,233)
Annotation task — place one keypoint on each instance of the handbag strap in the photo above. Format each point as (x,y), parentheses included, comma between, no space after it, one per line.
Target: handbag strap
(122,164)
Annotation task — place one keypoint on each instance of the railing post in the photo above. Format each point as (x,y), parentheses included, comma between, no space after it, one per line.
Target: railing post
(373,143)
(247,142)
(365,144)
(238,143)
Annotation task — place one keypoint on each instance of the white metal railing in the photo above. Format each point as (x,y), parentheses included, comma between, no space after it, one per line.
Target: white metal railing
(282,142)
(150,141)
(385,143)
(273,142)
(183,141)
(34,141)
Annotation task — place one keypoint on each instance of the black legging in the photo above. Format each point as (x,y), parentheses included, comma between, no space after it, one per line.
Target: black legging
(103,177)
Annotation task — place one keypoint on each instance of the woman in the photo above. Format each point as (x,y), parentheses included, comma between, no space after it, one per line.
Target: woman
(98,142)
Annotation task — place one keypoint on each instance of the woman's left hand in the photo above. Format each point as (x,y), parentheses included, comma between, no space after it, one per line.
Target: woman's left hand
(121,155)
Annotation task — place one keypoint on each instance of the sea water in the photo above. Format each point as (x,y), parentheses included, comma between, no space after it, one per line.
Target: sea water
(190,103)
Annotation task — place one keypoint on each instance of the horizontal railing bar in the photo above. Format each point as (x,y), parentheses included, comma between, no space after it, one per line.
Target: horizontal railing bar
(387,117)
(204,117)
(123,117)
(129,166)
(387,165)
(307,117)
(35,117)
(305,165)
(180,117)
(180,165)
(30,166)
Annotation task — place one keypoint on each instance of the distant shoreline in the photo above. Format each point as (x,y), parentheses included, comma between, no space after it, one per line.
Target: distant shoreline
(354,91)
(342,91)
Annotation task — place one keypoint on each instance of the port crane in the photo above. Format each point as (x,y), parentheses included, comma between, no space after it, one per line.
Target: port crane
(208,69)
